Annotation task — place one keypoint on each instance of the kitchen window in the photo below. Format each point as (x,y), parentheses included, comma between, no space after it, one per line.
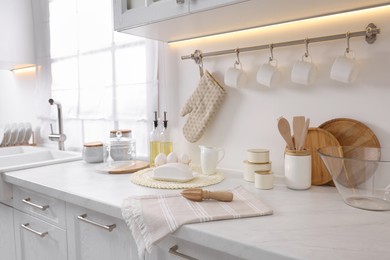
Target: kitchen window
(104,80)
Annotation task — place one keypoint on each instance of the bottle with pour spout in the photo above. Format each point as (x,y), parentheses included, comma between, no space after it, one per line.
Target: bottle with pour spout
(154,141)
(165,141)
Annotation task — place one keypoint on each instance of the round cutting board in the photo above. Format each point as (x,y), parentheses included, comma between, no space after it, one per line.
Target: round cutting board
(350,132)
(318,138)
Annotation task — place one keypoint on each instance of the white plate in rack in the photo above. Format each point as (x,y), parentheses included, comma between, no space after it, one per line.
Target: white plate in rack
(21,134)
(28,134)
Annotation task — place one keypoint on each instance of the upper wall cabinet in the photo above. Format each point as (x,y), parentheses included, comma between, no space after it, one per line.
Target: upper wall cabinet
(17,34)
(172,20)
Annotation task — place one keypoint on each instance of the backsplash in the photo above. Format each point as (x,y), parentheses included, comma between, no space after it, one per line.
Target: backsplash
(248,115)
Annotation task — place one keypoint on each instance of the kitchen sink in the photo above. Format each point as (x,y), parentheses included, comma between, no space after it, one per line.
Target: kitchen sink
(25,157)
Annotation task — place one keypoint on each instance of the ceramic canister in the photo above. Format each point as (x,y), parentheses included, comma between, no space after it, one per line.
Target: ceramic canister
(93,152)
(257,155)
(297,169)
(250,168)
(264,180)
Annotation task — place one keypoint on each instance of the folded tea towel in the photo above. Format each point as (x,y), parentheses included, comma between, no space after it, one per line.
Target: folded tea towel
(201,107)
(150,218)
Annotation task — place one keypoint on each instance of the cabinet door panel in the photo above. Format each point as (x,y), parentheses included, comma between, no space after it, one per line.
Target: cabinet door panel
(88,241)
(7,238)
(202,5)
(31,246)
(150,11)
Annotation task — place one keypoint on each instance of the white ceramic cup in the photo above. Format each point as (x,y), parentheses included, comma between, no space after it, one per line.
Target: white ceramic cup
(234,77)
(344,69)
(303,72)
(209,158)
(268,75)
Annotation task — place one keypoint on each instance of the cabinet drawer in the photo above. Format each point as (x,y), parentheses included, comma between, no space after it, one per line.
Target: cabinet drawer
(36,239)
(95,236)
(171,248)
(44,207)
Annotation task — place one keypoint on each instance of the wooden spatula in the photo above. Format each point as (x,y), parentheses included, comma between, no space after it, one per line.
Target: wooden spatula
(298,127)
(285,131)
(196,194)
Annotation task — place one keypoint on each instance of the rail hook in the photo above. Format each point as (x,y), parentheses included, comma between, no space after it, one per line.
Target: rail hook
(348,36)
(238,62)
(271,49)
(198,58)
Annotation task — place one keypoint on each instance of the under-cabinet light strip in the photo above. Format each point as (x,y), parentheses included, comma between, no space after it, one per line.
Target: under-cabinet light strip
(370,34)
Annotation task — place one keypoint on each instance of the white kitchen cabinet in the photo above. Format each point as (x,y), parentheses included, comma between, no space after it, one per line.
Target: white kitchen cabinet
(202,5)
(17,34)
(7,238)
(95,236)
(37,239)
(195,18)
(130,13)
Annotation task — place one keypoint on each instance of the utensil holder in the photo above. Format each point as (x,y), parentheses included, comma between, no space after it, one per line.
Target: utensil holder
(297,169)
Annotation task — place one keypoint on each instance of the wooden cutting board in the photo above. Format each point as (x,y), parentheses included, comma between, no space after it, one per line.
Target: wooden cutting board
(139,165)
(318,138)
(350,132)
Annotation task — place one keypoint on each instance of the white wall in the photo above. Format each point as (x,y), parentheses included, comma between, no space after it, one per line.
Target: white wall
(248,116)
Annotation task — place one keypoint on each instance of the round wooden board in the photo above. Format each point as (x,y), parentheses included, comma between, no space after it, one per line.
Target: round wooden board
(350,132)
(318,138)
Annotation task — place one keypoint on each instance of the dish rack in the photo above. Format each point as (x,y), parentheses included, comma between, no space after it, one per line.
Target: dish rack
(30,142)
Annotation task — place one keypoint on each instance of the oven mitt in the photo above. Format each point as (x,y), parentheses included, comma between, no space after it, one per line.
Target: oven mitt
(201,107)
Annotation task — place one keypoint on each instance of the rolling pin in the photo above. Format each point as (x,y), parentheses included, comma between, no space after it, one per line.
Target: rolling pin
(196,194)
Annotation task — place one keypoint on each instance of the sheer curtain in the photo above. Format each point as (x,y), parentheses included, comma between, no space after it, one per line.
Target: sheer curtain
(104,80)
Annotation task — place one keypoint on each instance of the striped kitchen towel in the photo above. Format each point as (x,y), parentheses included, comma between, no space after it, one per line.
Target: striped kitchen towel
(150,218)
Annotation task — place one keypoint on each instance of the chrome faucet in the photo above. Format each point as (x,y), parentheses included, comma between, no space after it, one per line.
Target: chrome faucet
(60,137)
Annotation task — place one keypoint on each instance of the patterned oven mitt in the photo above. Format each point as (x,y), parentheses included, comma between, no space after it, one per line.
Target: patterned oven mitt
(201,107)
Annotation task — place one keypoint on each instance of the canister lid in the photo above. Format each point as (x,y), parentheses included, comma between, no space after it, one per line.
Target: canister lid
(263,172)
(297,152)
(124,131)
(258,150)
(93,144)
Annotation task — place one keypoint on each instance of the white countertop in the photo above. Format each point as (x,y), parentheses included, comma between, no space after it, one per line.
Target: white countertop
(310,224)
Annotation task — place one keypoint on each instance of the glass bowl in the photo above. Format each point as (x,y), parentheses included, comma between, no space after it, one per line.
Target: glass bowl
(361,175)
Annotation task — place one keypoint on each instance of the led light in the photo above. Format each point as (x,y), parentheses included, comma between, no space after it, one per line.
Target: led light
(286,23)
(25,70)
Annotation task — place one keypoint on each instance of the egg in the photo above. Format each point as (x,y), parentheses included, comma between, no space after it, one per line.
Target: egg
(172,158)
(160,159)
(184,158)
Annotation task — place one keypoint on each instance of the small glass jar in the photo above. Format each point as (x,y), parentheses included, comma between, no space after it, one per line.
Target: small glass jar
(93,152)
(297,169)
(264,180)
(121,148)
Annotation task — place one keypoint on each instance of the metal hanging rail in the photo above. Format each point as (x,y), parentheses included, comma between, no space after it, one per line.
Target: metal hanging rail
(370,34)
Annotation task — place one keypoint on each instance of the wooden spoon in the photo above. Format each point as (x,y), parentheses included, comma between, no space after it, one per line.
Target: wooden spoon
(285,131)
(298,127)
(196,194)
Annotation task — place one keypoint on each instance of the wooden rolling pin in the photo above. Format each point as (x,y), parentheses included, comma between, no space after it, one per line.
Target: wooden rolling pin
(199,195)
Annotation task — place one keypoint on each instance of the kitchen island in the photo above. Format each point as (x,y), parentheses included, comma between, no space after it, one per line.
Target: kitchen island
(309,224)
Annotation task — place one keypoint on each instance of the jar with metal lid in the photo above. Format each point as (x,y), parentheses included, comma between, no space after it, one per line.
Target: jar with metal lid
(121,148)
(93,152)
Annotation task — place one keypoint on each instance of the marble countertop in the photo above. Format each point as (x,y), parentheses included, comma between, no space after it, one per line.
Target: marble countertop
(310,224)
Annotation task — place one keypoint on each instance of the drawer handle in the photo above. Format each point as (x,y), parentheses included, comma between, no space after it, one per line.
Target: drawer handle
(27,227)
(28,202)
(173,251)
(179,1)
(109,228)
